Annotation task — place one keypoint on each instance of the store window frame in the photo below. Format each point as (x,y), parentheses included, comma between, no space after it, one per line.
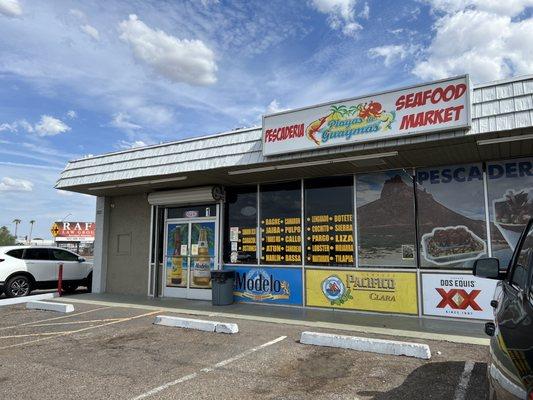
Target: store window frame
(259,216)
(400,268)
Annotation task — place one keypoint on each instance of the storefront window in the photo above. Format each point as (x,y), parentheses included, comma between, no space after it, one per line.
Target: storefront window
(281,223)
(385,219)
(241,226)
(510,194)
(451,216)
(329,222)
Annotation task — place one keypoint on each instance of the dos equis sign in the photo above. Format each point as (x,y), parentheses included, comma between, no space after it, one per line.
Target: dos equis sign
(441,105)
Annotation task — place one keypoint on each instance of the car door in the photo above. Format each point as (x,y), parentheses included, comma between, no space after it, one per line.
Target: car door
(38,263)
(514,315)
(73,270)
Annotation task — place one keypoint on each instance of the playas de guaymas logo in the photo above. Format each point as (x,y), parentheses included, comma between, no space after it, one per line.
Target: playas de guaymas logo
(345,122)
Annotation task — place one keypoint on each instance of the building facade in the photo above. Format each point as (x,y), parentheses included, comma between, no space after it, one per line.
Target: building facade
(377,204)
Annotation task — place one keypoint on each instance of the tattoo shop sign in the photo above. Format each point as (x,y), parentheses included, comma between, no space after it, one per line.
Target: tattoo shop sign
(456,295)
(436,106)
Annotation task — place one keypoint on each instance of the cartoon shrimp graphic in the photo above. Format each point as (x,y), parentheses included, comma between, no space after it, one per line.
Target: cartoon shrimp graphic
(314,127)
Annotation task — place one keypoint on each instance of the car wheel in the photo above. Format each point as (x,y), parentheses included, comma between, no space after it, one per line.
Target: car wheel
(90,283)
(18,286)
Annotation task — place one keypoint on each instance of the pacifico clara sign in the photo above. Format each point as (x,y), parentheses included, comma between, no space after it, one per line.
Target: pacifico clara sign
(436,106)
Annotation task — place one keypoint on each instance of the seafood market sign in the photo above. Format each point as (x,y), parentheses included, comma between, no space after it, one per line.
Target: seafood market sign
(437,106)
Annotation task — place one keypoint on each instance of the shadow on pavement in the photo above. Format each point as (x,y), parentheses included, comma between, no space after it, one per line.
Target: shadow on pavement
(437,380)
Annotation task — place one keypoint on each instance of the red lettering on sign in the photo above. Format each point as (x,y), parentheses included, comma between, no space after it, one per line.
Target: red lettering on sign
(466,299)
(284,132)
(433,96)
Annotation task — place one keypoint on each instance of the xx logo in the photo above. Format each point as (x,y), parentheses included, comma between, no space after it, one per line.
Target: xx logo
(458,299)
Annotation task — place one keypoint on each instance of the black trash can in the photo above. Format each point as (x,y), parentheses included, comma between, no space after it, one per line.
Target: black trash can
(222,285)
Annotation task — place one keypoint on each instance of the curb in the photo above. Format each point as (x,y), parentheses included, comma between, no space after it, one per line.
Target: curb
(197,324)
(26,299)
(48,306)
(380,346)
(368,330)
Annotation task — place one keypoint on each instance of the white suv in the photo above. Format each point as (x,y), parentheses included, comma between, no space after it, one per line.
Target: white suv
(25,268)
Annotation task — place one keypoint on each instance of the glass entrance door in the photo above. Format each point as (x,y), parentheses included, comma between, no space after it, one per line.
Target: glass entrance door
(190,255)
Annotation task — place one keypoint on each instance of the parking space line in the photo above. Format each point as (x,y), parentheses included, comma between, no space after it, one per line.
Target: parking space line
(77,322)
(80,330)
(460,392)
(209,369)
(33,334)
(54,318)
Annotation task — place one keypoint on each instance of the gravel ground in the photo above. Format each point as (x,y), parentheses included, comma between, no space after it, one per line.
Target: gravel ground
(116,353)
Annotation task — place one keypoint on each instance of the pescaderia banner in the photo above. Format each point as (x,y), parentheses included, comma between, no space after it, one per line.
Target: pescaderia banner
(436,106)
(382,291)
(457,295)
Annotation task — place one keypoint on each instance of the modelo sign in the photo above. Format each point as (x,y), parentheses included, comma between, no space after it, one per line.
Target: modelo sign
(437,106)
(456,295)
(267,285)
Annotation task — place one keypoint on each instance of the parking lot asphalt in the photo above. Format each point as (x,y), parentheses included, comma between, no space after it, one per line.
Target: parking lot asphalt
(101,352)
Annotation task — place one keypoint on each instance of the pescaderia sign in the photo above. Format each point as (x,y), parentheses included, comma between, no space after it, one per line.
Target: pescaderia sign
(436,106)
(382,291)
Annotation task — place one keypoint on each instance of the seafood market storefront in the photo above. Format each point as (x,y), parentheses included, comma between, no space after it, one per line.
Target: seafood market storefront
(379,203)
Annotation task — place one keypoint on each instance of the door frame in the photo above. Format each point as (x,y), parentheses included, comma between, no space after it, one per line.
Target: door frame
(189,292)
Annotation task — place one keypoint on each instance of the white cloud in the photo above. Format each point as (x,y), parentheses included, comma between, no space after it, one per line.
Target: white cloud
(509,7)
(10,8)
(341,14)
(274,107)
(14,126)
(77,13)
(8,184)
(91,31)
(72,114)
(8,127)
(50,126)
(123,144)
(122,121)
(365,13)
(188,61)
(390,53)
(207,3)
(480,38)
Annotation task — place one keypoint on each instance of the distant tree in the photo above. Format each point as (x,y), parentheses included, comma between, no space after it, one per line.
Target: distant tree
(6,238)
(16,222)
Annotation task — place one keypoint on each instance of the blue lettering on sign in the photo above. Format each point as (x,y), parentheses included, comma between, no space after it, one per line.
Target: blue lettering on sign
(510,169)
(450,174)
(267,285)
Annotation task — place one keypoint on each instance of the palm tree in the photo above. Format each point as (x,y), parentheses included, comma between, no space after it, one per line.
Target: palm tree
(31,229)
(16,222)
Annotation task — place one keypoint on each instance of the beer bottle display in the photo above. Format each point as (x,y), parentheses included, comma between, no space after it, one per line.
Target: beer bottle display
(201,274)
(176,274)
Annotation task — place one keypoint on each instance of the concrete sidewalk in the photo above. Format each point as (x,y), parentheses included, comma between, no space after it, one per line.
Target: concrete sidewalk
(457,331)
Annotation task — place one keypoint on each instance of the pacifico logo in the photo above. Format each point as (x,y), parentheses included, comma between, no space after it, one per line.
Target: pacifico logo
(335,290)
(458,299)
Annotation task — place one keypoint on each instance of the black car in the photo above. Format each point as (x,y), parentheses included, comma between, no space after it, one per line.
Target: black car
(510,370)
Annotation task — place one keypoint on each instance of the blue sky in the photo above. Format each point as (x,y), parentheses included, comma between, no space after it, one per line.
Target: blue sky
(80,78)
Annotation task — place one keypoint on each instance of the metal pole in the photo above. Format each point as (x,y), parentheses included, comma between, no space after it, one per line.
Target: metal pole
(60,280)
